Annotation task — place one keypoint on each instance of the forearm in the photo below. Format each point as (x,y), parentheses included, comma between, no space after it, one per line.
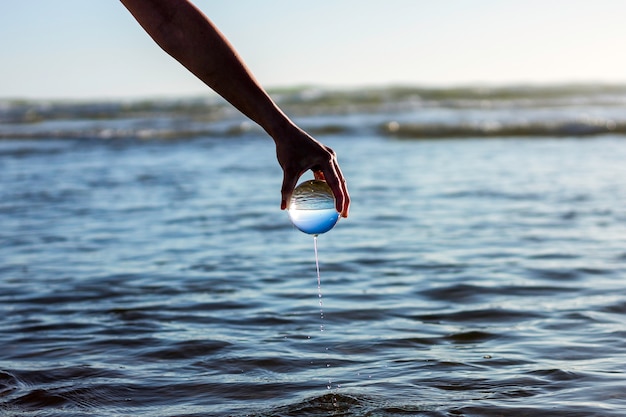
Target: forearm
(186,34)
(190,37)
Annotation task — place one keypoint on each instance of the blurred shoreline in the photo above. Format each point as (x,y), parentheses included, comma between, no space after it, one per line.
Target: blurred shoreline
(409,112)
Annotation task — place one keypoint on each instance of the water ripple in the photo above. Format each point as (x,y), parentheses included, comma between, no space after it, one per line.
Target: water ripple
(157,278)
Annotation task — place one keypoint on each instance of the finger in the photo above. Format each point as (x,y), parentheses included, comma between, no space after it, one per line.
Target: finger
(342,197)
(333,181)
(346,195)
(318,175)
(331,173)
(345,207)
(289,183)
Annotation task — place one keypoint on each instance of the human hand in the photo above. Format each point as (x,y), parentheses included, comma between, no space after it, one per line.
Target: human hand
(300,152)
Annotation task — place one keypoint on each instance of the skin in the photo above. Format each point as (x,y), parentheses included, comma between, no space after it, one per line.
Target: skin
(186,34)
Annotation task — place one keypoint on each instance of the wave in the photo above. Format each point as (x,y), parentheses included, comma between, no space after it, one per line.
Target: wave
(493,129)
(401,112)
(391,129)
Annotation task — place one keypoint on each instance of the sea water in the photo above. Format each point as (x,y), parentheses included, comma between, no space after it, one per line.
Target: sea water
(159,277)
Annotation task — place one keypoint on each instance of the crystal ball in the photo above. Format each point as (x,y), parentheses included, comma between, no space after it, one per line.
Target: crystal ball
(312,207)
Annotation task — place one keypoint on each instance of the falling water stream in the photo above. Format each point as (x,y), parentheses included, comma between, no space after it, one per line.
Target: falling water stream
(312,211)
(319,283)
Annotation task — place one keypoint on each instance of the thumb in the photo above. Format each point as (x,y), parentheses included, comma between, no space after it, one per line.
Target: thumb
(289,183)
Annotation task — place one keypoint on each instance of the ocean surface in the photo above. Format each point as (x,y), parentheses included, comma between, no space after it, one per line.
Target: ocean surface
(147,270)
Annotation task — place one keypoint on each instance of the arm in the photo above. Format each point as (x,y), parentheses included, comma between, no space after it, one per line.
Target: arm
(190,37)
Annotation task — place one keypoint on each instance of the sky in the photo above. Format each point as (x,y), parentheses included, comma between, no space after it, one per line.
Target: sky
(94,49)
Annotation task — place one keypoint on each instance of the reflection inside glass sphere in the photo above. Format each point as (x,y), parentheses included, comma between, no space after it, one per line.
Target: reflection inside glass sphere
(312,207)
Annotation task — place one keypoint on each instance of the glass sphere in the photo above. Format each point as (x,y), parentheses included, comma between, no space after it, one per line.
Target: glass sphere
(312,207)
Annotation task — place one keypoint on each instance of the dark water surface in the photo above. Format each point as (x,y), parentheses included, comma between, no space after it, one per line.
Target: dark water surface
(474,277)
